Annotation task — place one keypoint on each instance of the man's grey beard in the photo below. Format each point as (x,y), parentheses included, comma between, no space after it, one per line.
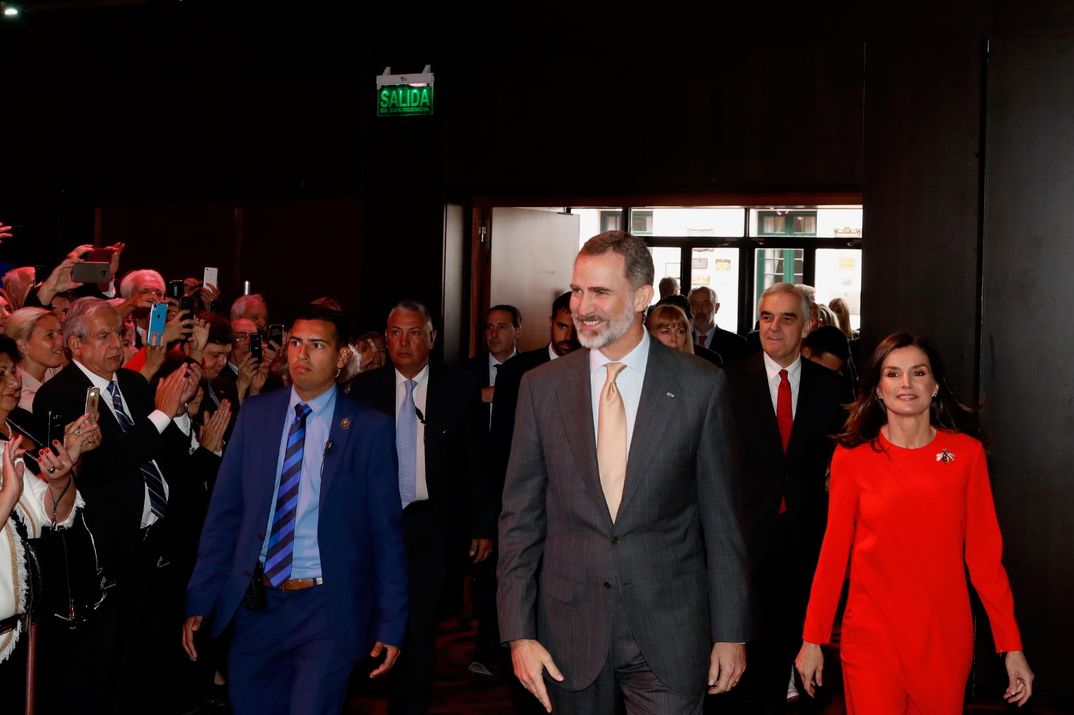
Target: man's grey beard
(614,328)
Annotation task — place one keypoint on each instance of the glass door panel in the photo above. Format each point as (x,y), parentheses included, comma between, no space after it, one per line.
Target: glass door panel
(717,268)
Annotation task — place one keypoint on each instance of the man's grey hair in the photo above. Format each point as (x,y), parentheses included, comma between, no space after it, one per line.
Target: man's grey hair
(413,306)
(238,308)
(806,305)
(126,286)
(82,310)
(639,262)
(711,291)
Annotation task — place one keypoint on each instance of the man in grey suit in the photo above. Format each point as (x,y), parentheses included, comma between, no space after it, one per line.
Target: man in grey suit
(622,564)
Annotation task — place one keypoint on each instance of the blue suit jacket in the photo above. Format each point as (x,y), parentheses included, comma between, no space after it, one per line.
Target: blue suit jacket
(359,528)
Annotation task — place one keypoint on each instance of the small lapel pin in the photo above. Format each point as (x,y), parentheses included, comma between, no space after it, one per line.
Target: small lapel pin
(345,423)
(945,456)
(671,395)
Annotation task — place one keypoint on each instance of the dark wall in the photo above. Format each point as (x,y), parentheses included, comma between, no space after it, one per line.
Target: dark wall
(1027,376)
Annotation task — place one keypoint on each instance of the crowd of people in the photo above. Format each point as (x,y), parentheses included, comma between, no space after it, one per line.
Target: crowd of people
(221,511)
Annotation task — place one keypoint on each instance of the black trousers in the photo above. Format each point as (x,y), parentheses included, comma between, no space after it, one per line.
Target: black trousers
(410,686)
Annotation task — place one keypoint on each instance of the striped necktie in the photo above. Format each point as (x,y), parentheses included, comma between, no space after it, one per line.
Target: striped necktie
(281,546)
(154,482)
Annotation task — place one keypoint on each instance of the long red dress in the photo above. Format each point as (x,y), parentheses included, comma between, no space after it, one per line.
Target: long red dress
(909,519)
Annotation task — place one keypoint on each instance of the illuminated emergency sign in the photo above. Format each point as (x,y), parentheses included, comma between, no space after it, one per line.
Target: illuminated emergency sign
(405,95)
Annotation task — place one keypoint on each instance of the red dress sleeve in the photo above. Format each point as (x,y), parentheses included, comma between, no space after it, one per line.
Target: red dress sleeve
(984,553)
(137,360)
(835,551)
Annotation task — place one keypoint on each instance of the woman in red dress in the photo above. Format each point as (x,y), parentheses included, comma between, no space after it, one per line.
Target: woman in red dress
(911,508)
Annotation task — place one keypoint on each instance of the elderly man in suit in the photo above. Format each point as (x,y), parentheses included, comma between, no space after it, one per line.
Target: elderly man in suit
(448,508)
(622,562)
(786,409)
(110,661)
(302,549)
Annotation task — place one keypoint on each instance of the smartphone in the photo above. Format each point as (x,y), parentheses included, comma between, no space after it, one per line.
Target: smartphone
(246,287)
(158,316)
(275,334)
(255,347)
(93,396)
(33,440)
(32,444)
(174,290)
(90,272)
(217,306)
(55,429)
(188,305)
(41,274)
(212,275)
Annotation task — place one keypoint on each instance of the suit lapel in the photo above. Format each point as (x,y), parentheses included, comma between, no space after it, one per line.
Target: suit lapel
(656,410)
(338,435)
(804,413)
(575,399)
(266,461)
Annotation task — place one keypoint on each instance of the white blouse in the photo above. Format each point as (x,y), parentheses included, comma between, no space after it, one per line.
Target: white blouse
(13,573)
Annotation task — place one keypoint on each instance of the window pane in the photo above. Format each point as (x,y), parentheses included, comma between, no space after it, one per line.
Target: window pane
(592,221)
(776,265)
(839,276)
(839,222)
(723,222)
(667,262)
(717,268)
(843,222)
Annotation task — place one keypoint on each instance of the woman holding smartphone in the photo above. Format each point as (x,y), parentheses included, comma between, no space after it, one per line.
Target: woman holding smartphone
(911,508)
(36,490)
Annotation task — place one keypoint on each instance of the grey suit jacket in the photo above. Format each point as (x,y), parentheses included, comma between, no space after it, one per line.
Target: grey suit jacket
(675,552)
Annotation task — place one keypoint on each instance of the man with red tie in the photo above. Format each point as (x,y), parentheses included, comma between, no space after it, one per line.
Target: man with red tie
(786,409)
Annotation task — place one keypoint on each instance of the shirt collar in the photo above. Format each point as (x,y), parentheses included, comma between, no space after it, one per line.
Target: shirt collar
(421,378)
(97,380)
(321,403)
(552,354)
(637,359)
(493,362)
(772,367)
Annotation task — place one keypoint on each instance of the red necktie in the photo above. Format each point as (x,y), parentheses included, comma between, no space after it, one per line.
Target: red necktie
(701,340)
(785,419)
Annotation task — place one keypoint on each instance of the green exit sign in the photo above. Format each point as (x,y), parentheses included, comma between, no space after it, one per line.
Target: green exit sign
(405,95)
(404,100)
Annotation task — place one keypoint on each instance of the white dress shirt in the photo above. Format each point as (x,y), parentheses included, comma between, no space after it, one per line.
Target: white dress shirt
(794,376)
(159,419)
(629,381)
(421,391)
(552,354)
(494,365)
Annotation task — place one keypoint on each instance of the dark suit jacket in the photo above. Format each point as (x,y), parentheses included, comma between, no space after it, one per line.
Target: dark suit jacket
(459,489)
(768,474)
(503,410)
(730,346)
(110,480)
(478,366)
(359,530)
(675,551)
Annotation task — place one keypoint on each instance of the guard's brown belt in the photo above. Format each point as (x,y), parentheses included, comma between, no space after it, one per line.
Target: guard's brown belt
(295,584)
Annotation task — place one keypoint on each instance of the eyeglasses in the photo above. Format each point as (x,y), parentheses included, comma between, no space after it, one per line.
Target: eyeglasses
(242,337)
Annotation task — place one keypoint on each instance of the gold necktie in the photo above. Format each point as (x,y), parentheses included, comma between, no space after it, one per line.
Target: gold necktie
(612,440)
